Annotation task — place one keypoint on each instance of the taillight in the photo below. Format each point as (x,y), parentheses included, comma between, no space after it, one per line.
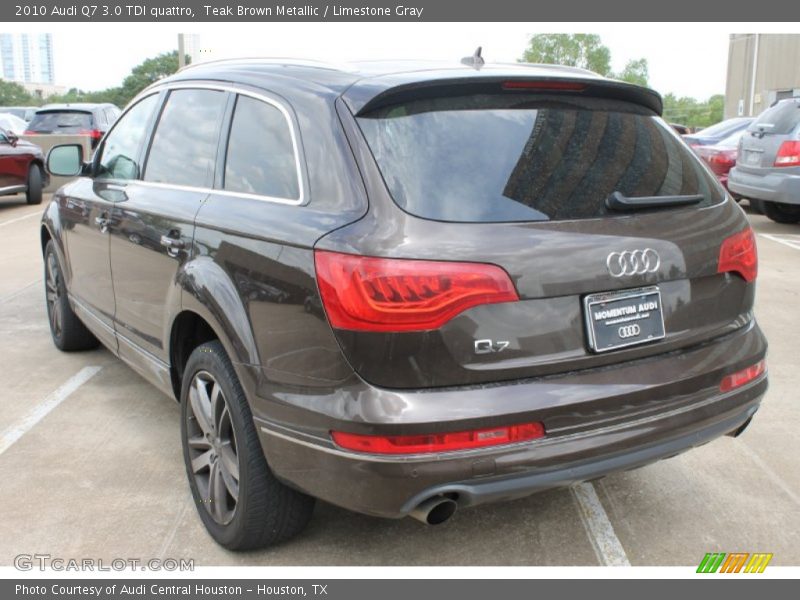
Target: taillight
(386,294)
(29,132)
(738,379)
(438,442)
(566,86)
(738,255)
(725,158)
(95,134)
(788,155)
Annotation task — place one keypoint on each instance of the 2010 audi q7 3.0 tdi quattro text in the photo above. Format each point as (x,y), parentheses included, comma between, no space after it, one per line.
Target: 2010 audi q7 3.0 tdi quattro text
(405,288)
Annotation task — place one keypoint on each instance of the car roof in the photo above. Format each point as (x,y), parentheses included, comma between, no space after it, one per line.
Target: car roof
(76,106)
(363,81)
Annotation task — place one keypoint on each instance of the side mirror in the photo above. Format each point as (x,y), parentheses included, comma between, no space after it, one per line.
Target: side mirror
(65,160)
(12,138)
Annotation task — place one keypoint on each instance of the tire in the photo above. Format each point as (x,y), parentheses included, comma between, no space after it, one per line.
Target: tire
(782,213)
(68,332)
(33,193)
(757,206)
(248,508)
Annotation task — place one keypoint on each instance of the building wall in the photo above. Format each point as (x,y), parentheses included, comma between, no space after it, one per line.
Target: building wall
(777,60)
(27,57)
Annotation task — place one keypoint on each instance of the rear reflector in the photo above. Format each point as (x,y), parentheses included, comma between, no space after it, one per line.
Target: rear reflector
(566,86)
(738,379)
(438,442)
(363,293)
(788,155)
(738,255)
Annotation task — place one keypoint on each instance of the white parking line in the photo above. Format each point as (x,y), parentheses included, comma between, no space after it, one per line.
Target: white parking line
(28,216)
(792,242)
(15,432)
(598,527)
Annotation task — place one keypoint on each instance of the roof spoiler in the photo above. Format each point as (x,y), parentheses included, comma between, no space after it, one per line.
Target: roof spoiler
(362,102)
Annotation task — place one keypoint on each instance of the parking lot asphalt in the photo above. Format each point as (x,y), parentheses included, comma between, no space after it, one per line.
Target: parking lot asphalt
(91,466)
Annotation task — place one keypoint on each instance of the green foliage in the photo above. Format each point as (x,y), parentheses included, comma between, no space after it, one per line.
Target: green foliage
(584,50)
(149,71)
(13,94)
(635,71)
(694,113)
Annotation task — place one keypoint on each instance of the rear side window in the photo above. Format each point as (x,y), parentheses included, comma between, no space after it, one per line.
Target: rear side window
(781,119)
(527,158)
(184,147)
(261,155)
(61,122)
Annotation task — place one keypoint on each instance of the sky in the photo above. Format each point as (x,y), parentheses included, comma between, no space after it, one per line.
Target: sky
(685,59)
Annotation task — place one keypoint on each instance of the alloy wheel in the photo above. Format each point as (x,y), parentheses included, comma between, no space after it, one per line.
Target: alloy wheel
(53,295)
(212,448)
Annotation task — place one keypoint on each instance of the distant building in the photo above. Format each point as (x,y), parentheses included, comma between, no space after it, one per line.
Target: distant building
(27,58)
(762,68)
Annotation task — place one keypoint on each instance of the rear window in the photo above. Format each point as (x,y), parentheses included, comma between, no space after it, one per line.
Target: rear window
(60,122)
(527,158)
(724,127)
(781,119)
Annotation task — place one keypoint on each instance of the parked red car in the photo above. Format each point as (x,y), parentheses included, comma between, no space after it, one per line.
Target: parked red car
(21,168)
(721,157)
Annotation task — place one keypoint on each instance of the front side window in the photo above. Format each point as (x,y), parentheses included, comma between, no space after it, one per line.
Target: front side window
(261,158)
(121,149)
(184,147)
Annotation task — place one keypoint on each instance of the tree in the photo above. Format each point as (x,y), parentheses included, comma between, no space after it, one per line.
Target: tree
(150,71)
(635,71)
(688,111)
(13,94)
(584,50)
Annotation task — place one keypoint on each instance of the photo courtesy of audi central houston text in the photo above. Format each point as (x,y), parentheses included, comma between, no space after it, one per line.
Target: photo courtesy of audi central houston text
(406,288)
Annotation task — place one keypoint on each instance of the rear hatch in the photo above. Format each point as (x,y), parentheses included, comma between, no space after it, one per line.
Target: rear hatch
(772,134)
(521,180)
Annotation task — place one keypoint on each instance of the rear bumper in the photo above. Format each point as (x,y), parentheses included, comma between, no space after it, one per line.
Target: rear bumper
(771,186)
(606,420)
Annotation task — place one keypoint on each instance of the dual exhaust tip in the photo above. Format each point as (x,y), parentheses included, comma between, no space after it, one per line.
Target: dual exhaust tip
(435,510)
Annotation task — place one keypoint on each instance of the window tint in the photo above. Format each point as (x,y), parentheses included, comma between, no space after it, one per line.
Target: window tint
(501,158)
(261,157)
(67,121)
(780,119)
(724,128)
(120,154)
(184,146)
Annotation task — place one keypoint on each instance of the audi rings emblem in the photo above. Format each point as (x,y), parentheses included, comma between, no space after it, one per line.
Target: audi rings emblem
(629,331)
(633,262)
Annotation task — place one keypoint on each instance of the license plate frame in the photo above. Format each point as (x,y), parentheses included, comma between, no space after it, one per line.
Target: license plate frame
(642,313)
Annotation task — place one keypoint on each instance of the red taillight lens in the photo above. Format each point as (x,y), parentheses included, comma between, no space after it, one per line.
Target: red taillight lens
(438,442)
(567,86)
(725,159)
(788,155)
(385,294)
(738,255)
(95,134)
(738,379)
(29,132)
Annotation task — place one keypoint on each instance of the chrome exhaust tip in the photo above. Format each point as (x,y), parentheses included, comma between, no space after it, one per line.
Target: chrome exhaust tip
(435,510)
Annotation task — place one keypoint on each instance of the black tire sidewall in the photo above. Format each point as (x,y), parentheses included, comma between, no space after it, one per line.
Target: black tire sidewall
(33,194)
(209,357)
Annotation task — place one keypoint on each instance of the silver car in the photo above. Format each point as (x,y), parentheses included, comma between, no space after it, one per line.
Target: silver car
(768,166)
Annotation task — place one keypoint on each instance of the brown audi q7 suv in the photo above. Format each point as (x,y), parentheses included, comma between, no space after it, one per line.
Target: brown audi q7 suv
(405,288)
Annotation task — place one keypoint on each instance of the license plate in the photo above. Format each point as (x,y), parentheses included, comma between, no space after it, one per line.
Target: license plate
(621,319)
(752,158)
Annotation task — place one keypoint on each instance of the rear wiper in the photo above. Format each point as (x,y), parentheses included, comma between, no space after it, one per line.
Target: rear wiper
(619,201)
